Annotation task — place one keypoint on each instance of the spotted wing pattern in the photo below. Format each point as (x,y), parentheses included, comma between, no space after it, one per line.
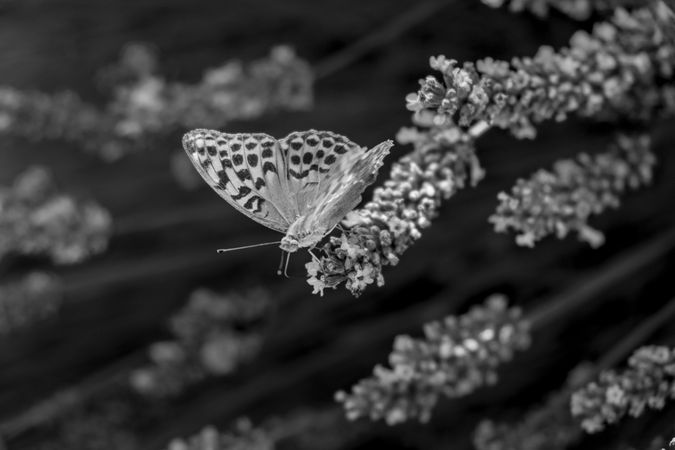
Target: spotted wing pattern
(309,156)
(318,175)
(247,170)
(341,190)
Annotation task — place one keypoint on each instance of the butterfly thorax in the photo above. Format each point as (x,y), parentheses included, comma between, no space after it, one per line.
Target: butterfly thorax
(299,235)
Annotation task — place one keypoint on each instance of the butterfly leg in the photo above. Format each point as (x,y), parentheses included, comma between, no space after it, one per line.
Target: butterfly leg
(288,259)
(314,257)
(281,263)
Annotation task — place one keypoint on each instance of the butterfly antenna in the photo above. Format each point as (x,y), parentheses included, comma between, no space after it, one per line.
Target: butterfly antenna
(224,250)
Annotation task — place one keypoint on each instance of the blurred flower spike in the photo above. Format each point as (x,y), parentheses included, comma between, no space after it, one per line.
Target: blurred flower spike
(214,335)
(145,105)
(457,356)
(561,201)
(36,219)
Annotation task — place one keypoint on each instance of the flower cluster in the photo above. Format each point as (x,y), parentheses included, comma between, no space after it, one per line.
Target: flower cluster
(215,334)
(145,105)
(242,436)
(576,9)
(457,356)
(34,297)
(624,68)
(562,200)
(648,382)
(549,426)
(377,234)
(37,219)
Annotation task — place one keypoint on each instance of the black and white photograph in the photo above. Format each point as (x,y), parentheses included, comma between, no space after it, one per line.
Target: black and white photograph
(337,225)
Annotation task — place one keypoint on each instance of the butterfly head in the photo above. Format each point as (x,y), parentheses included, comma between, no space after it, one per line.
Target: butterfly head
(299,237)
(289,244)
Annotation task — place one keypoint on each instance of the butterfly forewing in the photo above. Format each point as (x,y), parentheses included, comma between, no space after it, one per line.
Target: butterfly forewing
(245,170)
(267,166)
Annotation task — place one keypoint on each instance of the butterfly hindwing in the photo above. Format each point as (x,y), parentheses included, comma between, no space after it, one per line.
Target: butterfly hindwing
(341,190)
(310,156)
(239,169)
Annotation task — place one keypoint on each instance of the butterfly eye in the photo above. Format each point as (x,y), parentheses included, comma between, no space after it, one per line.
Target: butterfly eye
(289,244)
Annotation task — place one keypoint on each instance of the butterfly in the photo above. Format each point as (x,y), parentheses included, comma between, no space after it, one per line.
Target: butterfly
(301,185)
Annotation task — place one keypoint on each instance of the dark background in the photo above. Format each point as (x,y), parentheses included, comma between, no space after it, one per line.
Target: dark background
(163,246)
